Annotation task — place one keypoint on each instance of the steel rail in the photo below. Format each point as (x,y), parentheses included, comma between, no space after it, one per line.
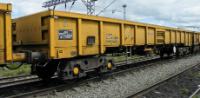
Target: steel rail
(7,78)
(17,81)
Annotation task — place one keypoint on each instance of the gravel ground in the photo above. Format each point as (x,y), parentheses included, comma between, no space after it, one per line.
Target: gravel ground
(128,83)
(182,86)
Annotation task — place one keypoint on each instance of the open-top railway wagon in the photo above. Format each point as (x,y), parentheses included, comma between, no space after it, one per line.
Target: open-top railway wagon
(7,55)
(73,44)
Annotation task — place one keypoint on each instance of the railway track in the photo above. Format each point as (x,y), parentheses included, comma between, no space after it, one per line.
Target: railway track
(195,93)
(130,65)
(12,81)
(6,78)
(160,83)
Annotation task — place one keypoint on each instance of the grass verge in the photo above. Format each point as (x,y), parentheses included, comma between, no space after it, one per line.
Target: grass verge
(23,70)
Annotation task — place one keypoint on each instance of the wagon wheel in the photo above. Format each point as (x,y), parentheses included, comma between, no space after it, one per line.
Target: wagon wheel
(47,71)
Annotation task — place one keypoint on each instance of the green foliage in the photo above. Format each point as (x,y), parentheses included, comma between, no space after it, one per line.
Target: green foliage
(197,74)
(196,96)
(24,70)
(184,91)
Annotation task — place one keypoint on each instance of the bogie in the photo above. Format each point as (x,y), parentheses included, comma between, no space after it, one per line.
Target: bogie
(77,68)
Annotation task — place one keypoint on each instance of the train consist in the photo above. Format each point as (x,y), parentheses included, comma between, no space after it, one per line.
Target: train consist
(73,44)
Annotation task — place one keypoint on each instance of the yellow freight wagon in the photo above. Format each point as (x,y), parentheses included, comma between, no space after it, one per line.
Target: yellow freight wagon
(5,33)
(7,55)
(81,41)
(68,35)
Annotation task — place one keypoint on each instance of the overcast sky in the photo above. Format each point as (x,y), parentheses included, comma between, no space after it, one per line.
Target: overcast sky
(163,12)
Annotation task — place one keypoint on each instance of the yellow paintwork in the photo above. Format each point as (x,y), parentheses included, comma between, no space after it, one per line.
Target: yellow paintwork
(90,28)
(5,33)
(173,37)
(178,37)
(187,38)
(182,37)
(160,36)
(109,65)
(2,44)
(80,49)
(121,37)
(76,70)
(196,39)
(6,52)
(199,38)
(190,39)
(52,37)
(102,48)
(111,34)
(5,7)
(19,57)
(69,47)
(167,37)
(140,35)
(33,27)
(129,35)
(150,36)
(108,32)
